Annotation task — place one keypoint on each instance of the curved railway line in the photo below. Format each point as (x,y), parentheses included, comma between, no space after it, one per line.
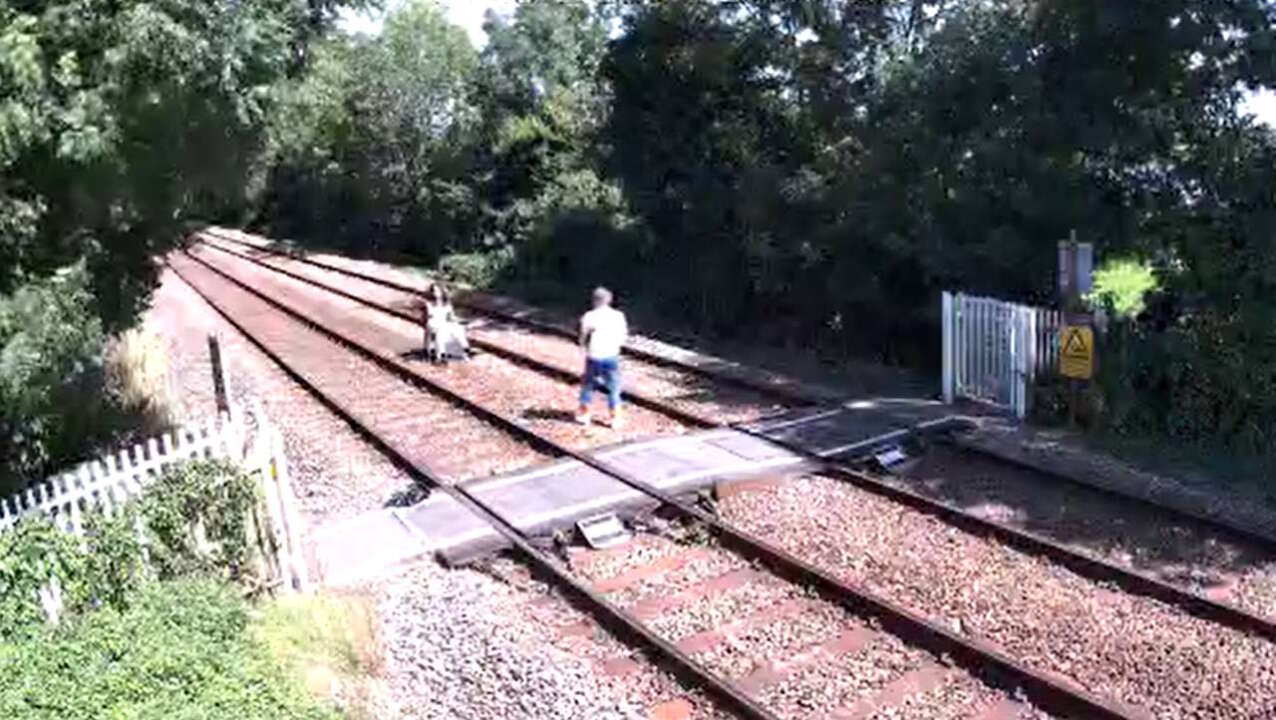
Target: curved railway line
(297,345)
(1079,562)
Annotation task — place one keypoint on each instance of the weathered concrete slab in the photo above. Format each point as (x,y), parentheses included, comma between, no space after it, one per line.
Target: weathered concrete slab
(552,497)
(364,548)
(857,428)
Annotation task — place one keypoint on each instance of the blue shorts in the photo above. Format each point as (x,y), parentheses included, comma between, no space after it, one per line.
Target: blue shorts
(606,372)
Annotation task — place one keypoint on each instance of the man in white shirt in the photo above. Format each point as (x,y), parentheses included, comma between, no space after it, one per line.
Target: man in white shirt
(603,331)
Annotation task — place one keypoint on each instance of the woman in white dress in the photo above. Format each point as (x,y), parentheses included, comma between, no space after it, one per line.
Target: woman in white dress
(444,334)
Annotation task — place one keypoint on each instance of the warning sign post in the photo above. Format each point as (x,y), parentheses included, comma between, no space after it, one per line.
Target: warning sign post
(1076,352)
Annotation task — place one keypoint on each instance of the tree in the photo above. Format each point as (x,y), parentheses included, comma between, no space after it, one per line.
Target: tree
(364,151)
(122,120)
(539,103)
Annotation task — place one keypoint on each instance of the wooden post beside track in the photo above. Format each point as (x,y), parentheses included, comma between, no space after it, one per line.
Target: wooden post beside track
(221,388)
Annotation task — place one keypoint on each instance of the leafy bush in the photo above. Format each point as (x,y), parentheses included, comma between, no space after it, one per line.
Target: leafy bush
(1122,285)
(31,556)
(64,388)
(199,517)
(184,650)
(476,269)
(50,370)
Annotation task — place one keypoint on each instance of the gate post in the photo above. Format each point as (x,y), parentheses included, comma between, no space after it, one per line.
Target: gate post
(1020,361)
(946,314)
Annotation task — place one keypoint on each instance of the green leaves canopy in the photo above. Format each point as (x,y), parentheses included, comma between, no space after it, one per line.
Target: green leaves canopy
(121,120)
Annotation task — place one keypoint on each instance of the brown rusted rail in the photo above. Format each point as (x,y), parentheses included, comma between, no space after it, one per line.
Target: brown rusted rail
(1083,564)
(982,659)
(787,394)
(621,622)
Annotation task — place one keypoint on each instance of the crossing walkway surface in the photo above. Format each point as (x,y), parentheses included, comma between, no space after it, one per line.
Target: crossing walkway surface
(552,497)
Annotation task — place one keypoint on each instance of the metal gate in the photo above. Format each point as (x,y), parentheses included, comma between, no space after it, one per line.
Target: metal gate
(993,349)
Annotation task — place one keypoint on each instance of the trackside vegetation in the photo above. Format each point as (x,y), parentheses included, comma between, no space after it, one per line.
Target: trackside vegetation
(802,174)
(155,629)
(812,175)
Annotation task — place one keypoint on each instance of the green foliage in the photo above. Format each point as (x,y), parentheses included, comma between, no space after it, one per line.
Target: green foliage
(114,564)
(31,555)
(121,120)
(363,151)
(199,517)
(50,369)
(1122,285)
(813,174)
(185,649)
(475,269)
(106,569)
(58,398)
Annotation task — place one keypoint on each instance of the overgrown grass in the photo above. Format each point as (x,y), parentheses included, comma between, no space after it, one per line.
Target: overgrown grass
(137,379)
(185,650)
(330,645)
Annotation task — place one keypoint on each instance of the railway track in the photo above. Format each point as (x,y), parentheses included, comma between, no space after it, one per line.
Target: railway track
(718,373)
(653,388)
(865,619)
(794,396)
(1084,564)
(1089,564)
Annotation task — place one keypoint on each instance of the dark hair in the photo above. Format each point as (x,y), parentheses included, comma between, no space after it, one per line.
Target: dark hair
(438,290)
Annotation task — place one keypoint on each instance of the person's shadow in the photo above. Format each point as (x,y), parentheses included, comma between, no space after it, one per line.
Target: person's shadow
(549,414)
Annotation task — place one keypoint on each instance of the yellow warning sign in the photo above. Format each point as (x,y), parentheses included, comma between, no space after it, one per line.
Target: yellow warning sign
(1076,352)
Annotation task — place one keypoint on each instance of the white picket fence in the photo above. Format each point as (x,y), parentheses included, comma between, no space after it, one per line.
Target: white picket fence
(111,480)
(994,350)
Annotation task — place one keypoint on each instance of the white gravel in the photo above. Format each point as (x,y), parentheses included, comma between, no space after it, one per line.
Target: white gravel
(472,645)
(1137,650)
(454,653)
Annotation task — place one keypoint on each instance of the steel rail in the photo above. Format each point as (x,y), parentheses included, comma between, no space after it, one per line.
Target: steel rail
(1130,580)
(1083,564)
(790,395)
(621,622)
(979,657)
(638,398)
(1263,540)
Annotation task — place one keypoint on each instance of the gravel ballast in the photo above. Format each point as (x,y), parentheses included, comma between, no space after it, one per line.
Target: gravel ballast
(1134,649)
(1178,551)
(453,442)
(453,653)
(333,471)
(685,390)
(800,656)
(456,644)
(543,404)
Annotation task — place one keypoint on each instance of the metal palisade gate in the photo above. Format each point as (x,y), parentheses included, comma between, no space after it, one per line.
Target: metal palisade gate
(994,350)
